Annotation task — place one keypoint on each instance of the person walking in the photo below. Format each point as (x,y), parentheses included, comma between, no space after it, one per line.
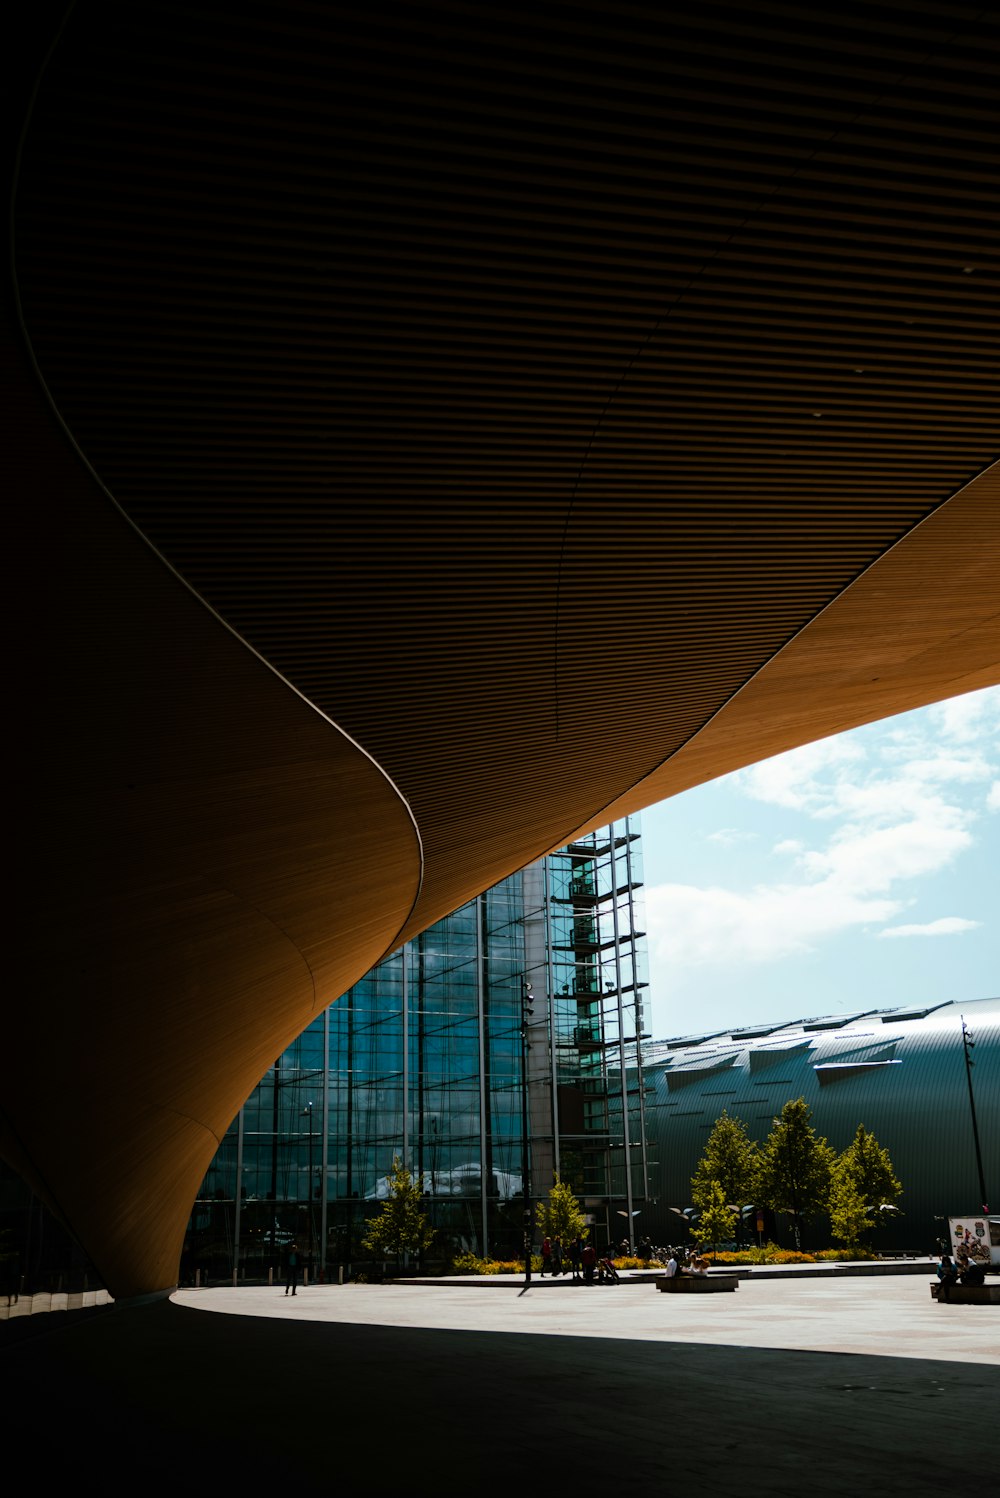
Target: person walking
(293,1263)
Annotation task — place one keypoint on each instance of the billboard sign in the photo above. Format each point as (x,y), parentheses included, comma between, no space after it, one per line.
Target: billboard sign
(976,1236)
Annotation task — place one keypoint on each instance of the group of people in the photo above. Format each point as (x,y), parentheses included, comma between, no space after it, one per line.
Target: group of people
(958,1271)
(581,1259)
(644,1250)
(577,1258)
(679,1261)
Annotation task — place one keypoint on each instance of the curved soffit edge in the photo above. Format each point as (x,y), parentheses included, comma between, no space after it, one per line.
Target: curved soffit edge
(921,624)
(241,366)
(210,863)
(519,405)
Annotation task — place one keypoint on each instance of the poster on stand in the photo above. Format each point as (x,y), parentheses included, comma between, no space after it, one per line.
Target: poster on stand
(971,1237)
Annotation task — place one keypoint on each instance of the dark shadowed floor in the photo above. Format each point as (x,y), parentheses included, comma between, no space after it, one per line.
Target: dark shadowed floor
(173,1393)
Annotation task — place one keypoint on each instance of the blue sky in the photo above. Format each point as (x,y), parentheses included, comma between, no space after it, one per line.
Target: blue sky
(859,872)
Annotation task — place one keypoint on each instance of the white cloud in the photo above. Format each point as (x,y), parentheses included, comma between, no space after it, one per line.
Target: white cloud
(729,836)
(948,925)
(695,926)
(902,798)
(794,780)
(968,717)
(993,797)
(868,858)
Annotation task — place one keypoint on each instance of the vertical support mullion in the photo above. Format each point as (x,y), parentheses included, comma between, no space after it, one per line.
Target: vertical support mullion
(481,981)
(549,981)
(404,959)
(626,1131)
(325,1152)
(640,1076)
(238,1192)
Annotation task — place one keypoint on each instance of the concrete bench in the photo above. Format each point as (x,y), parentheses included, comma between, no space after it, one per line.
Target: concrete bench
(967,1295)
(696,1284)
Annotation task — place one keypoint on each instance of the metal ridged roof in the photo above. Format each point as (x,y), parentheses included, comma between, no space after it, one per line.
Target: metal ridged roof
(907,1086)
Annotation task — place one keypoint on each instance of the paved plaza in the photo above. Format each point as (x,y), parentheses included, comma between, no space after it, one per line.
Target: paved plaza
(811,1386)
(892,1316)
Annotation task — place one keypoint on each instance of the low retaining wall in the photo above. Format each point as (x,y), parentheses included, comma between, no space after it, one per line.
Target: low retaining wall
(696,1284)
(967,1295)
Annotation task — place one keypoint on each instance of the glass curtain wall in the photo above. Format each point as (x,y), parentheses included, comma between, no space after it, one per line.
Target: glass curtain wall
(421,1062)
(424,1061)
(276,1150)
(596,972)
(425,1067)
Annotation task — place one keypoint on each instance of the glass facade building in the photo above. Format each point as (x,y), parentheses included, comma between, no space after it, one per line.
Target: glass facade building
(488,1055)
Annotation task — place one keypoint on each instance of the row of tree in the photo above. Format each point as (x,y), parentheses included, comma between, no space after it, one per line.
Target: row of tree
(793,1171)
(402,1226)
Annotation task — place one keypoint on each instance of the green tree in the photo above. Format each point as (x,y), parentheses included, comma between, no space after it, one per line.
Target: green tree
(716,1222)
(795,1167)
(864,1171)
(849,1221)
(729,1161)
(562,1216)
(401,1226)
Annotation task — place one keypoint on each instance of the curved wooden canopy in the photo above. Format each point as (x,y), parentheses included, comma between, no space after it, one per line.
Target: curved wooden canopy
(439,428)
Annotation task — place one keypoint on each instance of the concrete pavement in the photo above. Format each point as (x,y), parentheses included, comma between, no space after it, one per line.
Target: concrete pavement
(892,1316)
(794,1388)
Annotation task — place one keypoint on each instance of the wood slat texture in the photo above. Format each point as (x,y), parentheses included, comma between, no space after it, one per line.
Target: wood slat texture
(571,402)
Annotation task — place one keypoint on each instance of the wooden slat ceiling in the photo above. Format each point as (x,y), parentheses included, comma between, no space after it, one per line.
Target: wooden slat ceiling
(530,385)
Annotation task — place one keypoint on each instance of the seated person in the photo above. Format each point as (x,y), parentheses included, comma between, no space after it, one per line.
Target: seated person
(947,1275)
(973,1274)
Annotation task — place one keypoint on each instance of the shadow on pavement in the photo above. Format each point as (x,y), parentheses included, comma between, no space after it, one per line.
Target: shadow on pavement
(189,1396)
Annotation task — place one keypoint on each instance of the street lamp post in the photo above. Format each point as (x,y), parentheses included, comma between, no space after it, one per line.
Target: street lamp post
(526,1012)
(307,1112)
(968,1042)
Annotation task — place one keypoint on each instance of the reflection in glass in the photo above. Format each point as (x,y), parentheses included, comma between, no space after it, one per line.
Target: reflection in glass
(422,1060)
